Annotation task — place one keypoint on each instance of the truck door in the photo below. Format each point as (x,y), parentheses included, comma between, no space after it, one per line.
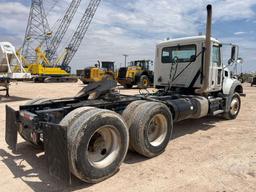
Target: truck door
(216,69)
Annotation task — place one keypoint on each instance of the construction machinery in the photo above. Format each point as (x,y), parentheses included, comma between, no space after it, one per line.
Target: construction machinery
(46,65)
(88,135)
(102,71)
(43,71)
(59,34)
(138,73)
(10,66)
(37,33)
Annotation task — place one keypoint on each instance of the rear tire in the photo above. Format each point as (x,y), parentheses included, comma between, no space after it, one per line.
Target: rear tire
(68,120)
(234,107)
(128,114)
(151,129)
(97,144)
(144,82)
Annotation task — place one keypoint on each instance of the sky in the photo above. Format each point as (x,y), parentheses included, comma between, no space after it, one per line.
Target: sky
(134,27)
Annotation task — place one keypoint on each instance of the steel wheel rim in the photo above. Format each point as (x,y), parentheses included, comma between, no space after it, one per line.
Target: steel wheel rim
(103,147)
(145,82)
(157,130)
(234,107)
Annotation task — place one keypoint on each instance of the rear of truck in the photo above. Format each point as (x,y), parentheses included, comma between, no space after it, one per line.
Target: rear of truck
(84,136)
(59,131)
(88,136)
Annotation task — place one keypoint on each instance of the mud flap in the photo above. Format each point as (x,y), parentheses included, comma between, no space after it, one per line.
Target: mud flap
(55,146)
(11,127)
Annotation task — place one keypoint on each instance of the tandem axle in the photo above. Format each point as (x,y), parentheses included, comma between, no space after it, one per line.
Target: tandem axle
(58,126)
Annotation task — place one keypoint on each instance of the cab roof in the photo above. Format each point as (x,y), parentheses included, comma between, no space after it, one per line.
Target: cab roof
(186,40)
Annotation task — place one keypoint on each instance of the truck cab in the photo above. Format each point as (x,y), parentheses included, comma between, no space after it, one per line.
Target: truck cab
(179,63)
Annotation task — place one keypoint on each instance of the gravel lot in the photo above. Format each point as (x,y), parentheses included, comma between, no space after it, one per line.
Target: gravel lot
(208,154)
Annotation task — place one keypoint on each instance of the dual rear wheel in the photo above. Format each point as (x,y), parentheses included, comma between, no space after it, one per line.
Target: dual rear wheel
(98,139)
(150,127)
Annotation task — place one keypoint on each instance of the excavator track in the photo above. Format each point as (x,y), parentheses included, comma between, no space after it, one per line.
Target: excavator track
(61,79)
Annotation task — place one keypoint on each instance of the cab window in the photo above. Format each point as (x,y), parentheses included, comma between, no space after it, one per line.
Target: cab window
(216,55)
(183,54)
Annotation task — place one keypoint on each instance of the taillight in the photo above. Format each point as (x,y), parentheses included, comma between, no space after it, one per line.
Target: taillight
(27,115)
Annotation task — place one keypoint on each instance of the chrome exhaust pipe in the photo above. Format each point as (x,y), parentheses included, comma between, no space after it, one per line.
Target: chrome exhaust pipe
(208,49)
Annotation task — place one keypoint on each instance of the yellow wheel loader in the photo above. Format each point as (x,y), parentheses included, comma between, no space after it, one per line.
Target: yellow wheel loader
(138,73)
(102,70)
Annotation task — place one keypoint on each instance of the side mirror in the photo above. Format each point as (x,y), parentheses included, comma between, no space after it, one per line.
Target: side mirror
(192,58)
(240,60)
(233,53)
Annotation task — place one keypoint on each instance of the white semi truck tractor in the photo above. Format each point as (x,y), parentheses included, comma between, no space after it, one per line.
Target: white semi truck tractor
(88,135)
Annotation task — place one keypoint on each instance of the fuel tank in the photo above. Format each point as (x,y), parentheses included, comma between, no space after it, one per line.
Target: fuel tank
(189,107)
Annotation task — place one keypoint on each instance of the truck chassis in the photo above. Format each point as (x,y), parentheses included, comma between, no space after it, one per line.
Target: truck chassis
(42,120)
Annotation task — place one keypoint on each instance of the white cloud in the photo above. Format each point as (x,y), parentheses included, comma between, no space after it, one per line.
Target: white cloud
(13,8)
(240,33)
(13,19)
(233,10)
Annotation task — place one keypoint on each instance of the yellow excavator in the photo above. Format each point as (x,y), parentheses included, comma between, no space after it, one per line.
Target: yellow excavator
(102,70)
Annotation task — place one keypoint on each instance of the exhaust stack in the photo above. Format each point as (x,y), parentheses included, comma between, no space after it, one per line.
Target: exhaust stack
(206,66)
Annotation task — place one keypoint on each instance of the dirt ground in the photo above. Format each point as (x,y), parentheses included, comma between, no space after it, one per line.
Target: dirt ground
(208,154)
